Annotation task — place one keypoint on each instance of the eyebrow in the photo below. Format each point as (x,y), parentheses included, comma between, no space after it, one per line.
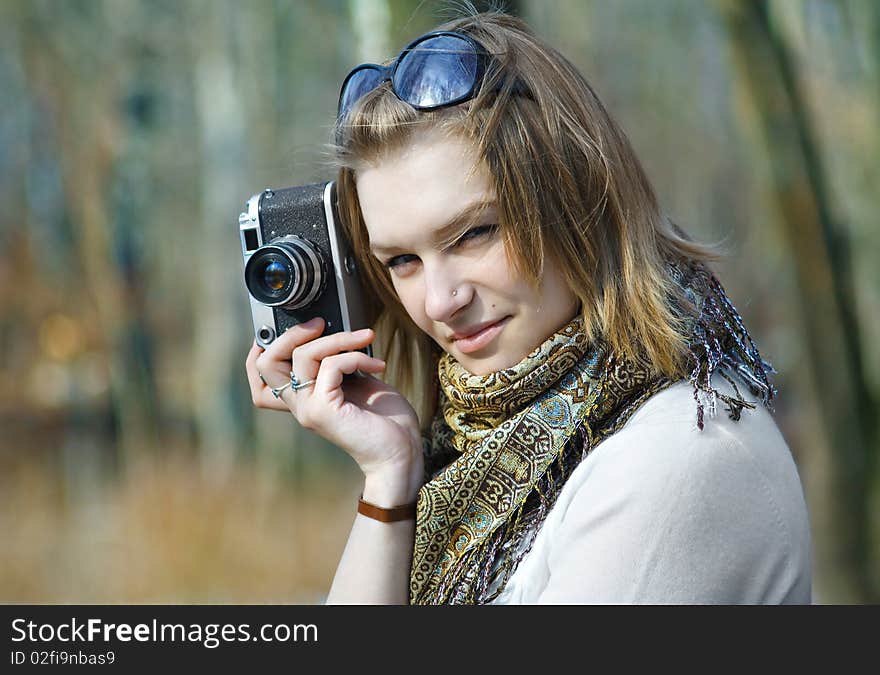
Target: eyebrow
(449,232)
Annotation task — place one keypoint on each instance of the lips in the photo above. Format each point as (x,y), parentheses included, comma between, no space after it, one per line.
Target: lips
(473,330)
(484,335)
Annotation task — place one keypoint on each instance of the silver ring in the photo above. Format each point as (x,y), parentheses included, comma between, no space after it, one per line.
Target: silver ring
(296,385)
(276,391)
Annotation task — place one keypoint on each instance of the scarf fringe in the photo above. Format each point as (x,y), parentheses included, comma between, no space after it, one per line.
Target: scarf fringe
(721,344)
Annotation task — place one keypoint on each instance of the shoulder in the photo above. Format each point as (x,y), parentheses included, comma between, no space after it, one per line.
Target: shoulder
(661,454)
(662,511)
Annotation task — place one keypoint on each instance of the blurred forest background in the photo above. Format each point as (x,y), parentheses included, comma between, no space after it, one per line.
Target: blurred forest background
(133,467)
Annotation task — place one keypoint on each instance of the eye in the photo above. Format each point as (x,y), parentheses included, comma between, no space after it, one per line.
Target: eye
(399,261)
(477,233)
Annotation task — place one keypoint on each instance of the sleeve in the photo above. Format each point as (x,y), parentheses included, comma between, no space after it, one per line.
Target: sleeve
(666,515)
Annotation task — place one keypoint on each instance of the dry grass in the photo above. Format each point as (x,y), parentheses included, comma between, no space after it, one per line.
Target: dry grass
(165,533)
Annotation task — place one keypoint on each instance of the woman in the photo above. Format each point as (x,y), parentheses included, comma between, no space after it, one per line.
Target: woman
(552,344)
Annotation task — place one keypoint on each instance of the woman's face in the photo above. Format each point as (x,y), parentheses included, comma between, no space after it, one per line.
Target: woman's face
(451,273)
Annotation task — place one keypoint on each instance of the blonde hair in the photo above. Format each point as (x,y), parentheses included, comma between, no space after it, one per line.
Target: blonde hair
(570,191)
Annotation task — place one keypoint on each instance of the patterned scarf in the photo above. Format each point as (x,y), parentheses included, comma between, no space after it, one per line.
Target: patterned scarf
(502,445)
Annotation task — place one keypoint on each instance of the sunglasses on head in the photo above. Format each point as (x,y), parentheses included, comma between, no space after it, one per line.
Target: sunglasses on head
(433,71)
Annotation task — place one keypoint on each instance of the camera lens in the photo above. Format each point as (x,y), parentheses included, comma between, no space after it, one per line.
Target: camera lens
(275,275)
(288,272)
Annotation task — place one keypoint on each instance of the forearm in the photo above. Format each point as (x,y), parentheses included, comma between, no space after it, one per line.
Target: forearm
(375,565)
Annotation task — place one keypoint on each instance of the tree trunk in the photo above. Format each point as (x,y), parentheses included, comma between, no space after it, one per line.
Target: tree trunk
(216,357)
(768,85)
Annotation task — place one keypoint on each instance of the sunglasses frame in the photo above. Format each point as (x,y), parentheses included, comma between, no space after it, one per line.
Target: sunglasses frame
(388,72)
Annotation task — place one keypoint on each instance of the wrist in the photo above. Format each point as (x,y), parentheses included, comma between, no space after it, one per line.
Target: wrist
(394,485)
(386,515)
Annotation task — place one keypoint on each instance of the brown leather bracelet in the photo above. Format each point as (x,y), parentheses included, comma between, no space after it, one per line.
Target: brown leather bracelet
(383,515)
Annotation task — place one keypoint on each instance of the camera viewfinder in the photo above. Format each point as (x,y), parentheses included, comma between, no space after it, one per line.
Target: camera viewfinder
(250,239)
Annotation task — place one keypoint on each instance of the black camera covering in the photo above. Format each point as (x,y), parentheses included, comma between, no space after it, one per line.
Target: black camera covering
(298,262)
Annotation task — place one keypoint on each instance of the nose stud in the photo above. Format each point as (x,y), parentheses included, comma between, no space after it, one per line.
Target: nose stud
(455,292)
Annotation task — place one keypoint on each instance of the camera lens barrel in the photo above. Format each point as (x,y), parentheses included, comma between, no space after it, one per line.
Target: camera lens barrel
(288,272)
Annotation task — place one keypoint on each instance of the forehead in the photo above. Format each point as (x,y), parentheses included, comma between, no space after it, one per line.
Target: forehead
(409,193)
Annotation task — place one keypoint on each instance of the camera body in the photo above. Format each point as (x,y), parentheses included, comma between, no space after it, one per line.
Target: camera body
(298,262)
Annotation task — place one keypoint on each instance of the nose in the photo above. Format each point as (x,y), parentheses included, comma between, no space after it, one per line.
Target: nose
(441,280)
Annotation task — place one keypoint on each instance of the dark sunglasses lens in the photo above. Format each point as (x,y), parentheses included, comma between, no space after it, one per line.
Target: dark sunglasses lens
(436,72)
(359,83)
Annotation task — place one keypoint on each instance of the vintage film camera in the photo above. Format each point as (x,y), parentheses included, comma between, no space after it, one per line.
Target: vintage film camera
(299,263)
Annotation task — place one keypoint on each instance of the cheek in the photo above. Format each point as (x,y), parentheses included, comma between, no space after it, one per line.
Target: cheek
(499,273)
(557,298)
(558,288)
(412,299)
(496,270)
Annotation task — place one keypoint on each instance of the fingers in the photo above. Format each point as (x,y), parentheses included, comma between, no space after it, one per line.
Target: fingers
(261,395)
(307,358)
(250,366)
(274,361)
(334,368)
(316,407)
(293,337)
(302,349)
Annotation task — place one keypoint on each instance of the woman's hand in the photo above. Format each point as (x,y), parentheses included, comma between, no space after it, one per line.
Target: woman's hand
(367,418)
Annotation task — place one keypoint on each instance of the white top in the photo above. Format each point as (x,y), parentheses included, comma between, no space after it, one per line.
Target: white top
(661,512)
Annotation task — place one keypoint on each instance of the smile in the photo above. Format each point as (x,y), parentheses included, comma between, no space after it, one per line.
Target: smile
(478,340)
